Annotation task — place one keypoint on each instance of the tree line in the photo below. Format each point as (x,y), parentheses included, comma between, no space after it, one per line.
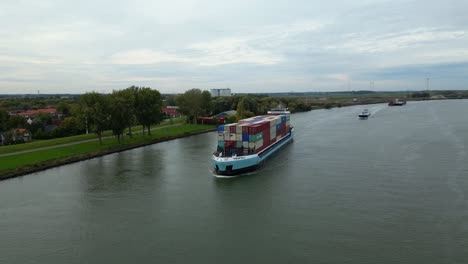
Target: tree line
(122,109)
(94,112)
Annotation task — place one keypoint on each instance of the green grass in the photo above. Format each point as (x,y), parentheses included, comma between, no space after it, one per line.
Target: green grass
(64,140)
(11,163)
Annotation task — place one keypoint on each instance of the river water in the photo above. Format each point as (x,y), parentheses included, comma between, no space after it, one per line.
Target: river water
(390,189)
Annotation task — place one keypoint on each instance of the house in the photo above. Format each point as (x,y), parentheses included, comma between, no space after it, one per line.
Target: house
(171,111)
(21,135)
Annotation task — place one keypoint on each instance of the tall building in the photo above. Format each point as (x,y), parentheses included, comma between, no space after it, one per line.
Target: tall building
(221,92)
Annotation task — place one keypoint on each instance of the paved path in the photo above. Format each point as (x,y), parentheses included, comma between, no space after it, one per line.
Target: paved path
(74,143)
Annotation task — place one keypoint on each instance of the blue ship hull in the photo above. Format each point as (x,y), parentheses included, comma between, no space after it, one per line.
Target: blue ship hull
(230,166)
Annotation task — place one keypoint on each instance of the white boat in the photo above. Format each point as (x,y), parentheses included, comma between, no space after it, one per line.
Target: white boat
(364,114)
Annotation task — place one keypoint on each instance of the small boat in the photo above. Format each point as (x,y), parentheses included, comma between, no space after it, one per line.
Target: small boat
(364,114)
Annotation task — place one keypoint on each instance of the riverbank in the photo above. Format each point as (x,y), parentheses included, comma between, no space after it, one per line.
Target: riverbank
(18,165)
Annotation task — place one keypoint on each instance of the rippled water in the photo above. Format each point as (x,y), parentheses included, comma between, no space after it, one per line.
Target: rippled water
(390,189)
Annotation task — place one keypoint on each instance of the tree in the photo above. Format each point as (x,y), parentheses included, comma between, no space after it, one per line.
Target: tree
(4,117)
(121,112)
(130,94)
(148,105)
(16,122)
(69,126)
(241,109)
(64,108)
(94,110)
(194,103)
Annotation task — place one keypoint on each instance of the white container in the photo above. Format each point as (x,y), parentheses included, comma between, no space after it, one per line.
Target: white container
(251,145)
(233,136)
(239,137)
(259,144)
(220,136)
(226,136)
(239,129)
(245,144)
(272,133)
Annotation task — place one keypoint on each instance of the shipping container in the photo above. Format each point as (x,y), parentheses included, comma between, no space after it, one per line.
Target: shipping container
(220,128)
(232,136)
(254,129)
(230,143)
(232,128)
(238,137)
(259,144)
(251,145)
(256,137)
(245,144)
(220,136)
(221,144)
(226,136)
(239,128)
(272,133)
(238,144)
(245,137)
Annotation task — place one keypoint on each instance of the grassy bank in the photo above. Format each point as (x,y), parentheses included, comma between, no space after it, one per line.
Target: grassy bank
(65,140)
(16,165)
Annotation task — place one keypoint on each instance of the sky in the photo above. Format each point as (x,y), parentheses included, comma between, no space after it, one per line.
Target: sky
(62,46)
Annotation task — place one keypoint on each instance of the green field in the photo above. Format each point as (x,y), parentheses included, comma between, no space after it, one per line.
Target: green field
(11,163)
(64,140)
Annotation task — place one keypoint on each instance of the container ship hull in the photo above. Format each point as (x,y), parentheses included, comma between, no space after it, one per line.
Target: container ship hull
(232,166)
(244,146)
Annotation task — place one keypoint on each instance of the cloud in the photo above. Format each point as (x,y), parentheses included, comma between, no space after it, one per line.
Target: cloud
(144,56)
(338,76)
(373,43)
(246,44)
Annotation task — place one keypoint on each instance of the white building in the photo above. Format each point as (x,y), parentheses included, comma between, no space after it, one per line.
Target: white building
(221,92)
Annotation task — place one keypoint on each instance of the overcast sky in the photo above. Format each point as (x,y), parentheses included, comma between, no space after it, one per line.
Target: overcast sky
(59,46)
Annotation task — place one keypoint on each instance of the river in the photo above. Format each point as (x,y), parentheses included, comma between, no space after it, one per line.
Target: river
(390,189)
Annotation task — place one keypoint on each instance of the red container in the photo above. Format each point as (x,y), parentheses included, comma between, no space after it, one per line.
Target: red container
(232,129)
(266,137)
(254,129)
(245,129)
(229,144)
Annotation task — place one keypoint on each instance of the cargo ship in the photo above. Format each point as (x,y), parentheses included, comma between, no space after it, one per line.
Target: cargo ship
(244,146)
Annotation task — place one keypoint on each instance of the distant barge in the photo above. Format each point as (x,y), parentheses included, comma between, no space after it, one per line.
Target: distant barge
(396,102)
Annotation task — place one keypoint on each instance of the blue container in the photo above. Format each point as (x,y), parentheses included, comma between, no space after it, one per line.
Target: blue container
(221,144)
(233,150)
(220,128)
(283,118)
(278,127)
(245,137)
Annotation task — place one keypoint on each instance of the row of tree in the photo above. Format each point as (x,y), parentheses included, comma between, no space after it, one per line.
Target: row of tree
(119,110)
